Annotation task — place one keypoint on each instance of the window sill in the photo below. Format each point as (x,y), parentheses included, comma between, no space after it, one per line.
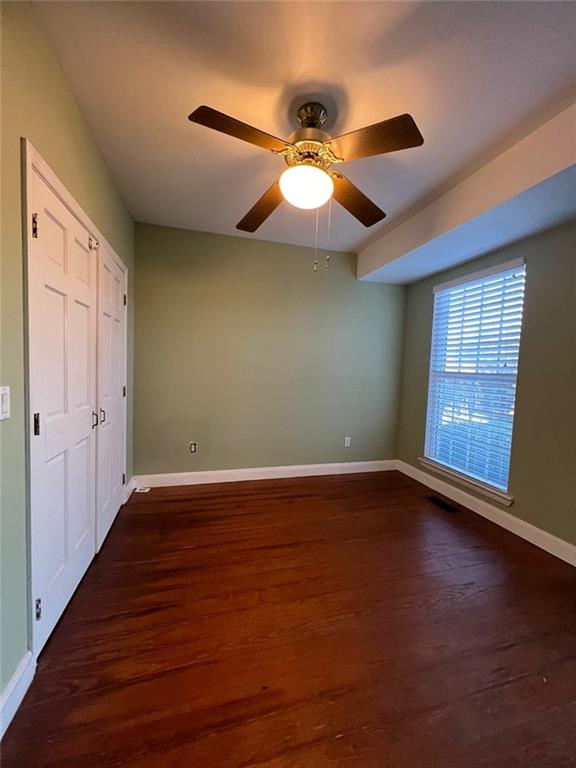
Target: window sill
(474,485)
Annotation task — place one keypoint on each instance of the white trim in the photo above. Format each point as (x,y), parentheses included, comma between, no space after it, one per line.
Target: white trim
(471,277)
(260,473)
(15,691)
(491,493)
(129,489)
(546,541)
(126,374)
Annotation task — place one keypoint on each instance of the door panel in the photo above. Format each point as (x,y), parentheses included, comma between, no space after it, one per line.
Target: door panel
(62,274)
(52,522)
(80,490)
(54,358)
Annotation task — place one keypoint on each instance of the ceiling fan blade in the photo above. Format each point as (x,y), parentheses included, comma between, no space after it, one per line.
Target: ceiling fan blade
(388,136)
(258,214)
(218,121)
(356,202)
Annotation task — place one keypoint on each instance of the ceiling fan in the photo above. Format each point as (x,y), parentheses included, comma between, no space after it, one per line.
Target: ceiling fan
(310,153)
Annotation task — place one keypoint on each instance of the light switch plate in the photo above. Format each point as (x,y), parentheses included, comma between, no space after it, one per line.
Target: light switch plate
(4,403)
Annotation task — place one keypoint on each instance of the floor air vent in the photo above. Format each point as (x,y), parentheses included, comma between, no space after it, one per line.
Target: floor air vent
(441,503)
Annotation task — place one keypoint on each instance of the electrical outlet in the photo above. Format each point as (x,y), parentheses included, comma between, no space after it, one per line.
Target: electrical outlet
(193,447)
(347,442)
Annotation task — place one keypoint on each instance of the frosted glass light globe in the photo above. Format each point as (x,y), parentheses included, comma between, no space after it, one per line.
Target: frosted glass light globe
(306,186)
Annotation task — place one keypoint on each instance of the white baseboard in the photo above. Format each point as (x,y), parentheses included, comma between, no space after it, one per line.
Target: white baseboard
(546,541)
(15,691)
(129,489)
(259,473)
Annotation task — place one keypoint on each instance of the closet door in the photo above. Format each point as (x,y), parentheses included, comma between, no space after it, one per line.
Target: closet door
(62,279)
(111,391)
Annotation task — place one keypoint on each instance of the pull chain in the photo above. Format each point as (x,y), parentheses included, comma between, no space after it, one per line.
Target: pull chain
(316,244)
(329,233)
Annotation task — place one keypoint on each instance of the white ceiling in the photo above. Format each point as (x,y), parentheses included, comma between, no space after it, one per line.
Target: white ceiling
(474,75)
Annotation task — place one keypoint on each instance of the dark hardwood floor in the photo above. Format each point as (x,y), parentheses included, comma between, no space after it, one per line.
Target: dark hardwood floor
(305,623)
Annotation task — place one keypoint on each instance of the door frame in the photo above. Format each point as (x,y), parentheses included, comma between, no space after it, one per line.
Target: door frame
(32,163)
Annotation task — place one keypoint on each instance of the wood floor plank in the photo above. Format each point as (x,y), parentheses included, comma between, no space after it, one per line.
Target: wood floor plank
(337,621)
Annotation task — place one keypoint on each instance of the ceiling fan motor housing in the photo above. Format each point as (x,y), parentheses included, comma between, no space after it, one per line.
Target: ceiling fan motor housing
(310,146)
(309,139)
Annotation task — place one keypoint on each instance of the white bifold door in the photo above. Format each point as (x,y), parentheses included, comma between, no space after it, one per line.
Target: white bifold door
(111,391)
(62,343)
(76,362)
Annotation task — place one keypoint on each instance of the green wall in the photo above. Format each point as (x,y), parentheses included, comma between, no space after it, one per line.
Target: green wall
(543,458)
(241,347)
(36,104)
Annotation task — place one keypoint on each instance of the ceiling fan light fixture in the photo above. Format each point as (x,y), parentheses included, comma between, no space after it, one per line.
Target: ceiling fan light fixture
(306,186)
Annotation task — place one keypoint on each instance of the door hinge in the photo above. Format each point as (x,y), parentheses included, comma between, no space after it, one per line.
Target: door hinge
(38,608)
(123,391)
(123,478)
(36,424)
(125,300)
(34,225)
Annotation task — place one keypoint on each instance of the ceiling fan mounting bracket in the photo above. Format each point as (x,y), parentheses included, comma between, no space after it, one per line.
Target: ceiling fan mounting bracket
(312,115)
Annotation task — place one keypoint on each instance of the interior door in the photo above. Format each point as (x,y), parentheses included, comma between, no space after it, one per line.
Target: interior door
(111,391)
(62,279)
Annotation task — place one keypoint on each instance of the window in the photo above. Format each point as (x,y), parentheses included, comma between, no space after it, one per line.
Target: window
(473,367)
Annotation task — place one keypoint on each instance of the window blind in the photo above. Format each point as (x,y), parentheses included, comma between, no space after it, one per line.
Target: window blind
(473,367)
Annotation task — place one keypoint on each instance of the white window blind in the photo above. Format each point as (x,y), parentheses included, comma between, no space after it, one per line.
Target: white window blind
(474,362)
